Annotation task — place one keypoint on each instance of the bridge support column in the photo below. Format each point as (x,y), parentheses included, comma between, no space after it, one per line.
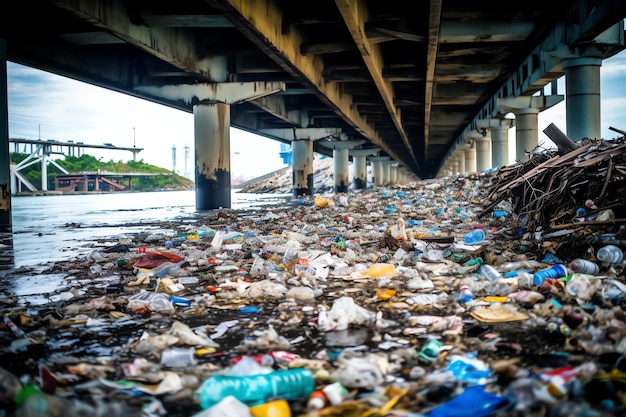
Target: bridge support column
(212,148)
(6,222)
(44,170)
(212,131)
(393,174)
(483,154)
(302,154)
(469,151)
(582,99)
(387,172)
(302,167)
(499,129)
(341,160)
(460,159)
(377,170)
(526,110)
(359,160)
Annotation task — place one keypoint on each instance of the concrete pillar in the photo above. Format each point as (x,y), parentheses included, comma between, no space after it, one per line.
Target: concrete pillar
(6,222)
(212,131)
(377,169)
(526,133)
(393,174)
(44,169)
(302,167)
(387,172)
(359,160)
(470,158)
(454,166)
(526,110)
(341,160)
(483,153)
(460,159)
(499,130)
(212,155)
(582,100)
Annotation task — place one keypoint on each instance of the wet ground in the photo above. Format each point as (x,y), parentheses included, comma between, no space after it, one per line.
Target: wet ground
(81,325)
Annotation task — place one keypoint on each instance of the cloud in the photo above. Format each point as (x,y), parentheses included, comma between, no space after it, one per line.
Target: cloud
(47,106)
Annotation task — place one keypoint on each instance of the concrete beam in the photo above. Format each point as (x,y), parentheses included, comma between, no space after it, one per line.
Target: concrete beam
(227,93)
(301,133)
(258,20)
(176,46)
(355,14)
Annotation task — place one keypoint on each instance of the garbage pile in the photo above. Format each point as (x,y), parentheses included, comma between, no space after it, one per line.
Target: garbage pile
(495,294)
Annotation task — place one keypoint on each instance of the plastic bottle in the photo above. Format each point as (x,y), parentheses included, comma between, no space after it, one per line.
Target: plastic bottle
(583,266)
(475,236)
(611,254)
(489,272)
(16,330)
(317,400)
(288,384)
(555,271)
(465,295)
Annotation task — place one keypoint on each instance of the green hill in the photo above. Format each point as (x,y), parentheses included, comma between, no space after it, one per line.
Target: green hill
(87,163)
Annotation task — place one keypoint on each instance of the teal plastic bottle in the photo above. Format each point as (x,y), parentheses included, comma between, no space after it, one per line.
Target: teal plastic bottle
(288,384)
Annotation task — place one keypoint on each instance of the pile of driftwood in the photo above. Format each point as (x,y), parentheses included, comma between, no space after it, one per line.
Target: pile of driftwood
(577,185)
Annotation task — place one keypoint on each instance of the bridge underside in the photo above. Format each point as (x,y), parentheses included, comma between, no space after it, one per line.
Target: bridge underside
(410,79)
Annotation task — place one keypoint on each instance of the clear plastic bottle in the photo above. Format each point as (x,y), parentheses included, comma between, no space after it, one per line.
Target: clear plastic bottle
(473,237)
(555,271)
(583,266)
(288,384)
(610,254)
(489,272)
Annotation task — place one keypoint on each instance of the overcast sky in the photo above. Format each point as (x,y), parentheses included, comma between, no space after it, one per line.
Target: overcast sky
(46,106)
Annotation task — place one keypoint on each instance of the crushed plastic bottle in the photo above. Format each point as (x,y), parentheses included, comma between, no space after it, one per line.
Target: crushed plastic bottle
(473,237)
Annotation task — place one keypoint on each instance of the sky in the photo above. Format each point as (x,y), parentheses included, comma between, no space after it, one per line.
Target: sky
(47,106)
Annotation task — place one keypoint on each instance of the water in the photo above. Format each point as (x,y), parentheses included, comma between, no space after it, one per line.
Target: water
(48,229)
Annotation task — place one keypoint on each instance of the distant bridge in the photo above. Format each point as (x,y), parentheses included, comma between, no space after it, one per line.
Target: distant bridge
(40,151)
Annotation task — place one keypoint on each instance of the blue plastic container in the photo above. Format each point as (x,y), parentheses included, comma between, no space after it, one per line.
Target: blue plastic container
(288,384)
(473,237)
(555,271)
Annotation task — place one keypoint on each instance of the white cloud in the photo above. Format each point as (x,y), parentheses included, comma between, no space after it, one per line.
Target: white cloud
(47,106)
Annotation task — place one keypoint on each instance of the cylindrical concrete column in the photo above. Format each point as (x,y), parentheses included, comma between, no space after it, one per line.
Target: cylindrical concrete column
(470,158)
(212,155)
(500,146)
(454,166)
(360,171)
(526,132)
(302,167)
(44,170)
(393,174)
(582,98)
(341,160)
(483,154)
(386,172)
(359,161)
(460,159)
(377,170)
